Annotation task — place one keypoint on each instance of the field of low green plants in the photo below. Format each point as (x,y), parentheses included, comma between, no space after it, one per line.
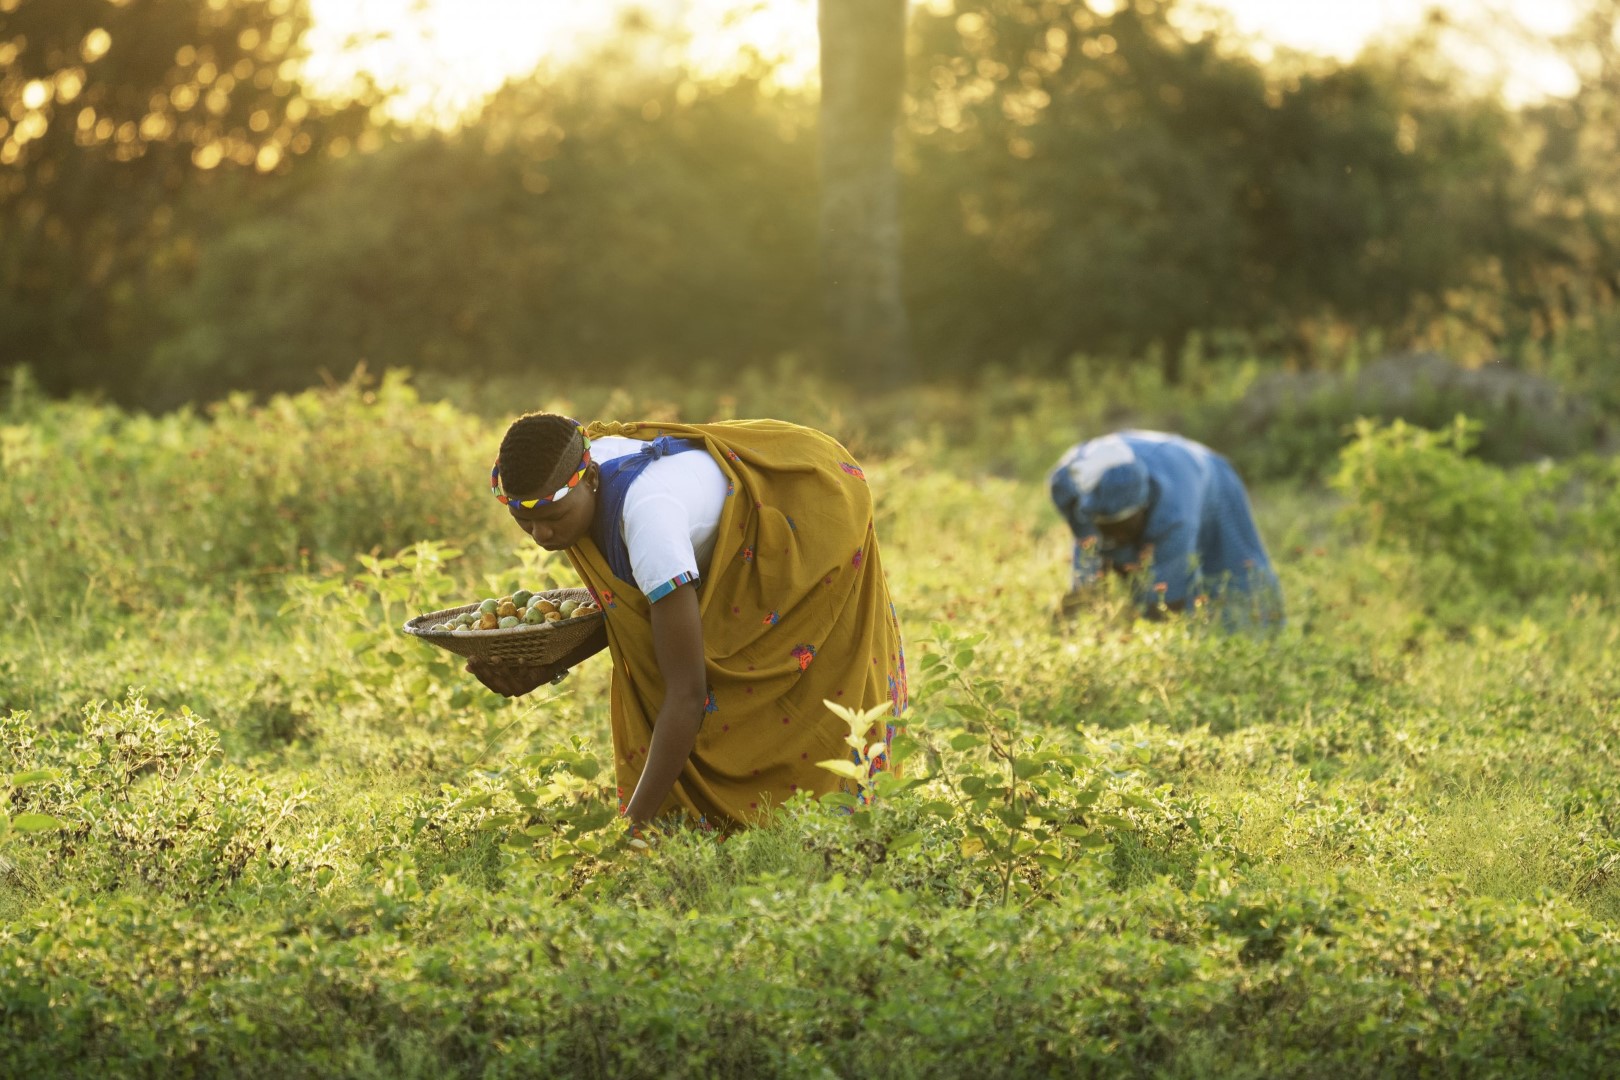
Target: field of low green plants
(251,829)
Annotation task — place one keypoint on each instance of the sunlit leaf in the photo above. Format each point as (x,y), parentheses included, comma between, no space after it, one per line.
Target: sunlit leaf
(35,823)
(598,818)
(844,768)
(890,785)
(33,776)
(902,749)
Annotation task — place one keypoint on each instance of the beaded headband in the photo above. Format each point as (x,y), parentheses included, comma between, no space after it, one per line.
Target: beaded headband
(529,504)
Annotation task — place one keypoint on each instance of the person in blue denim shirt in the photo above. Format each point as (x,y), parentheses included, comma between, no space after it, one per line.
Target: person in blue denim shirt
(1175,510)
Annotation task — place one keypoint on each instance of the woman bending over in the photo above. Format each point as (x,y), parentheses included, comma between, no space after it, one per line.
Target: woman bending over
(738,572)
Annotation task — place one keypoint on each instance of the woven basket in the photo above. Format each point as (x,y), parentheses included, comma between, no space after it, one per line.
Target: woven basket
(541,643)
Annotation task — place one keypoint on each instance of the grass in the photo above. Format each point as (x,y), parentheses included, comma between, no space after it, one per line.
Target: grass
(1382,842)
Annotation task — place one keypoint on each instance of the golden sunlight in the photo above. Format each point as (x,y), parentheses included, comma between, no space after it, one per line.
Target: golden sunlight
(1503,40)
(444,56)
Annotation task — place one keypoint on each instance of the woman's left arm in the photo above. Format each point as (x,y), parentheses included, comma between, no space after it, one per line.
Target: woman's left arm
(677,631)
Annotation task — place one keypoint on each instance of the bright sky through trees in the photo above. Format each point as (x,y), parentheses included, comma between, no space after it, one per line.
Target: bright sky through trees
(444,55)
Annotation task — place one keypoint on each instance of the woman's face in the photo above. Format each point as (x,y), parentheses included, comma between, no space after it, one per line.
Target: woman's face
(560,524)
(1124,533)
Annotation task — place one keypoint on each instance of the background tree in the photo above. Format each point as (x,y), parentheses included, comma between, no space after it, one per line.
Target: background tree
(575,221)
(1067,183)
(1565,262)
(863,62)
(110,112)
(1105,184)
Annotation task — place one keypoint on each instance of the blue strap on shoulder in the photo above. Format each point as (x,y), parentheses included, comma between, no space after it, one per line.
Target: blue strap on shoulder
(616,477)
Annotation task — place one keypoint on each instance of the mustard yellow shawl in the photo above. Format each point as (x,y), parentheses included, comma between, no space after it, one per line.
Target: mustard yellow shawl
(795,612)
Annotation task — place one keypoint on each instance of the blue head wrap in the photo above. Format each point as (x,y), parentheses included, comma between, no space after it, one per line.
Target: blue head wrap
(1065,491)
(1120,492)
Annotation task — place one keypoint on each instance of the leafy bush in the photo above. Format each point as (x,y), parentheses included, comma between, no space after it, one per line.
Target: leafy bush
(556,229)
(142,802)
(1379,842)
(1519,530)
(1246,980)
(1295,424)
(142,511)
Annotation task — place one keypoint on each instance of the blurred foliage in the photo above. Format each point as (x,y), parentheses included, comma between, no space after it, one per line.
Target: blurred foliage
(1294,424)
(110,114)
(1115,186)
(246,491)
(1562,258)
(568,224)
(1518,532)
(1103,183)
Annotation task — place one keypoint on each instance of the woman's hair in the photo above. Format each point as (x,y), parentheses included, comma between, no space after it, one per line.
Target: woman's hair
(539,454)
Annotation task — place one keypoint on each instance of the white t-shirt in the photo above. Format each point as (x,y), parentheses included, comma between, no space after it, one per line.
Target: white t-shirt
(671,514)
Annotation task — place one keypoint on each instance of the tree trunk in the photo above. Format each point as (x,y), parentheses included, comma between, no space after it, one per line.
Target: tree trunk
(863,61)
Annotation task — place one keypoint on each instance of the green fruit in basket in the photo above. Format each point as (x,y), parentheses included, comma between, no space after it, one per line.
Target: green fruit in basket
(508,621)
(521,598)
(566,608)
(439,627)
(488,606)
(462,629)
(534,616)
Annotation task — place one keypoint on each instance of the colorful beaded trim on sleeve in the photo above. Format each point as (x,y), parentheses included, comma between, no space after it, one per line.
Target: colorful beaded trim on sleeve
(670,586)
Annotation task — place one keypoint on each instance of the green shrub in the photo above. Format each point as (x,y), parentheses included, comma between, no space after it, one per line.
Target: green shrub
(1377,843)
(834,979)
(144,804)
(1295,424)
(141,512)
(1520,530)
